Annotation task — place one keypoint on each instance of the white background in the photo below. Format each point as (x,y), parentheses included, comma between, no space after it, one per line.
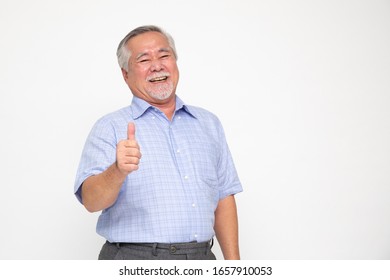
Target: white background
(301,87)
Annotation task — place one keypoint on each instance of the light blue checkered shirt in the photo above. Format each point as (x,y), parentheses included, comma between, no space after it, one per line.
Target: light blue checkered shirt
(185,169)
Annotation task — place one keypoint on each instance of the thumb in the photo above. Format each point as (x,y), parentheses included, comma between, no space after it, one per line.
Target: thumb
(131,131)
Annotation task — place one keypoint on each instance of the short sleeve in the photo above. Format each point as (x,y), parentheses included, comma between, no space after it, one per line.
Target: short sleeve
(98,154)
(228,180)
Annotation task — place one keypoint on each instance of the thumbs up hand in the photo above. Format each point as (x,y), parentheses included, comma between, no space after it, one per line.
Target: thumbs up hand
(128,152)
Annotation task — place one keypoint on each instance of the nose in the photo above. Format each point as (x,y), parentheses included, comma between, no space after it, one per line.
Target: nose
(156,66)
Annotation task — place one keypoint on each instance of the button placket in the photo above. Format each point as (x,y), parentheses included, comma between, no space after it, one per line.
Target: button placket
(180,153)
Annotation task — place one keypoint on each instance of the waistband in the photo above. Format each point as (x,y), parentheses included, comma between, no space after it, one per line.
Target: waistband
(168,246)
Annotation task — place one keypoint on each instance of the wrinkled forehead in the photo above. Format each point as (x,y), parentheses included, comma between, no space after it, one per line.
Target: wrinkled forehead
(149,42)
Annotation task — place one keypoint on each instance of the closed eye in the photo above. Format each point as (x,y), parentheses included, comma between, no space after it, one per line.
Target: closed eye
(143,60)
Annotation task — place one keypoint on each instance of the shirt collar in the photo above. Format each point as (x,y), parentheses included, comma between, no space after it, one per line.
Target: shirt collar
(140,106)
(180,105)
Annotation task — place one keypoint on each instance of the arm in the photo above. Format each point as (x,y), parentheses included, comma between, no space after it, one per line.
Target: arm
(226,228)
(101,191)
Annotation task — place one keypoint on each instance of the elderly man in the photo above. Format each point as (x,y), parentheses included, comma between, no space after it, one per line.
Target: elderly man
(159,170)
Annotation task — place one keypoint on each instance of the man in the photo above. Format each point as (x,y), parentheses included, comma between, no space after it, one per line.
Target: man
(160,170)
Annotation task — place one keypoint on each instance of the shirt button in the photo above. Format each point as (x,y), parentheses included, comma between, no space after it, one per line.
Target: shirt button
(178,151)
(186,177)
(179,117)
(153,117)
(193,205)
(195,235)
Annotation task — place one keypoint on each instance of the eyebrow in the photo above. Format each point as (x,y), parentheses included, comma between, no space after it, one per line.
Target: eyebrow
(145,53)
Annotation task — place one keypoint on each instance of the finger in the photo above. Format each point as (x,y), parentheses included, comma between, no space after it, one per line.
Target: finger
(131,160)
(131,131)
(132,152)
(130,144)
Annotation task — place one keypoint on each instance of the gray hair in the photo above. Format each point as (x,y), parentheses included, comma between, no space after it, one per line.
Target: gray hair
(123,53)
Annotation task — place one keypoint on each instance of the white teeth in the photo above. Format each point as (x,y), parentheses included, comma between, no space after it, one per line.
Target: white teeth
(158,79)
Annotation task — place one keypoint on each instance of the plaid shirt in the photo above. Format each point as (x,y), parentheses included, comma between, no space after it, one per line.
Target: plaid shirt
(185,169)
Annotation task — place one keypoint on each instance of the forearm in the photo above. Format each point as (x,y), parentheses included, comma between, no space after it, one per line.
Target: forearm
(101,191)
(226,228)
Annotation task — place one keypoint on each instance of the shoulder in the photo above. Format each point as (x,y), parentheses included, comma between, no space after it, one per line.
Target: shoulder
(120,116)
(209,123)
(112,123)
(203,115)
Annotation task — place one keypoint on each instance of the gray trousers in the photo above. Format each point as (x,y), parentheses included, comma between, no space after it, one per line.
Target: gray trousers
(157,251)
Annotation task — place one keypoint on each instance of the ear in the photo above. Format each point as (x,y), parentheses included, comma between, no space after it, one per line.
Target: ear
(124,74)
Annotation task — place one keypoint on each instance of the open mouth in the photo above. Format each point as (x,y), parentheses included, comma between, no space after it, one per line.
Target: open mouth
(158,79)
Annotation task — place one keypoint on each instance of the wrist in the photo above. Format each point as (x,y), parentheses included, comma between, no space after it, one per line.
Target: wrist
(114,174)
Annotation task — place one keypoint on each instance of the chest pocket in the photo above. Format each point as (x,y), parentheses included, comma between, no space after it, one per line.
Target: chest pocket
(204,153)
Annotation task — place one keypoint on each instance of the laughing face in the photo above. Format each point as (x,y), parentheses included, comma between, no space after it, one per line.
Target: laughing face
(153,74)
